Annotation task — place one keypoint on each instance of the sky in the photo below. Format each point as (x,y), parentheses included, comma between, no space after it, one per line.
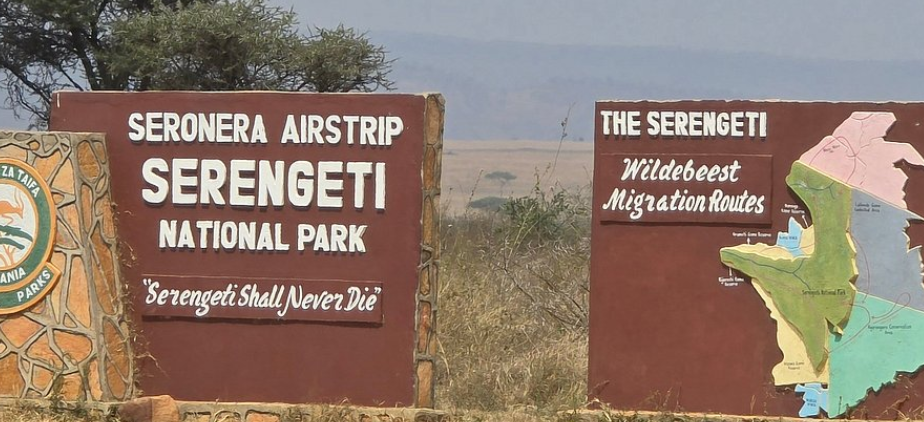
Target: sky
(846,30)
(812,29)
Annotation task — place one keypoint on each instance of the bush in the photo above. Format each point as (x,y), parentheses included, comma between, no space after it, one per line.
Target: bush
(513,305)
(545,218)
(488,203)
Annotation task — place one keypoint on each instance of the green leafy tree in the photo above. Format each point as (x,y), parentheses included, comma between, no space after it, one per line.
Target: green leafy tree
(50,45)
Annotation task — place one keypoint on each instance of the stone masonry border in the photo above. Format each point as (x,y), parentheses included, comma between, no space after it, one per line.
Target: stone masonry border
(194,411)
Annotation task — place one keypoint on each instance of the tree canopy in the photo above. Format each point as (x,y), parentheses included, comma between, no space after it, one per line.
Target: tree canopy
(137,45)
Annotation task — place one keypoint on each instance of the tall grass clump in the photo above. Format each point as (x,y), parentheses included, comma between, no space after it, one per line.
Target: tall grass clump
(513,304)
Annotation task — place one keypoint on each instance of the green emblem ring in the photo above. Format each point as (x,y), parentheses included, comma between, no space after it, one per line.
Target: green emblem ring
(27,232)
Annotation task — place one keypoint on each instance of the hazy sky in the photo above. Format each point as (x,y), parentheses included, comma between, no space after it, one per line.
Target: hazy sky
(854,30)
(826,29)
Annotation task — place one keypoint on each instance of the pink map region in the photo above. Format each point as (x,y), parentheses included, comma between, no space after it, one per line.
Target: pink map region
(858,155)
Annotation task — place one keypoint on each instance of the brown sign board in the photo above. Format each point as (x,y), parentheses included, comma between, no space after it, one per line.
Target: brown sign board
(279,299)
(673,188)
(810,304)
(272,242)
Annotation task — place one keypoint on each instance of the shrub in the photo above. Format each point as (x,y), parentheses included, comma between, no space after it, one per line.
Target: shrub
(488,203)
(513,305)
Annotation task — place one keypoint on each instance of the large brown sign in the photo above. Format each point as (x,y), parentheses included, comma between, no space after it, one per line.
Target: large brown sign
(758,258)
(272,242)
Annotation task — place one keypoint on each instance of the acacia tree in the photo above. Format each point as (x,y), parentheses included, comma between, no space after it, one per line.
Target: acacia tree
(501,177)
(49,45)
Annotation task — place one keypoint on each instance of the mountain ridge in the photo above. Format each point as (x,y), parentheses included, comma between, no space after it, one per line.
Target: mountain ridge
(518,90)
(521,90)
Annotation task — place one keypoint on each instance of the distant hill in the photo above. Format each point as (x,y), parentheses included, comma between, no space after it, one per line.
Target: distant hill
(510,90)
(513,90)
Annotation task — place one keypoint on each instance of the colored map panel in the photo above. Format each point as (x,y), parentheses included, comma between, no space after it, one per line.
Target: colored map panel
(858,155)
(880,340)
(887,268)
(814,290)
(815,398)
(792,239)
(795,367)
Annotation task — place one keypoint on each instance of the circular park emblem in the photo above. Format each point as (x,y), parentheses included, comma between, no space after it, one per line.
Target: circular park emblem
(27,233)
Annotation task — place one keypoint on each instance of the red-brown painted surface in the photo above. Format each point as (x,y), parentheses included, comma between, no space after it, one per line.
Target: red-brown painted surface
(243,353)
(665,334)
(688,183)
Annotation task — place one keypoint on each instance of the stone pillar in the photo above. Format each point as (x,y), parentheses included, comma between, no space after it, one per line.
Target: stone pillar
(425,351)
(75,343)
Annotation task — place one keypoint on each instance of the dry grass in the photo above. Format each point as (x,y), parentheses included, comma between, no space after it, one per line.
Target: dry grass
(513,306)
(465,163)
(24,412)
(347,414)
(514,415)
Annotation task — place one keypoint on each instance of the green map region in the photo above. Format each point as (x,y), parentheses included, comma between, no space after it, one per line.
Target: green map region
(815,290)
(847,291)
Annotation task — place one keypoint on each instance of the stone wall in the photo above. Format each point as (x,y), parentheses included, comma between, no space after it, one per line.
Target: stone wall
(74,344)
(425,350)
(276,412)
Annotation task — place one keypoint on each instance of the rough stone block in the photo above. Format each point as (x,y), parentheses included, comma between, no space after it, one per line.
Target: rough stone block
(261,417)
(13,382)
(150,409)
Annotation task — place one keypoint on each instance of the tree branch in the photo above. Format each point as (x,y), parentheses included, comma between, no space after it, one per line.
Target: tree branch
(37,90)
